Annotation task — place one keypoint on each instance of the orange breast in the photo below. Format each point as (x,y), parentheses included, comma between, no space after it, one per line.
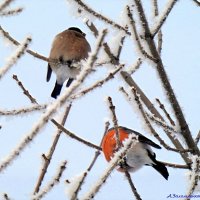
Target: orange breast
(109,142)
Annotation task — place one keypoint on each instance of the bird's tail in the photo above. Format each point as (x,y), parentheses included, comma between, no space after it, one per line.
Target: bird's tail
(56,91)
(160,167)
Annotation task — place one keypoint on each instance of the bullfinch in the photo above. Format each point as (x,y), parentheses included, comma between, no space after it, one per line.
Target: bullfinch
(69,48)
(138,155)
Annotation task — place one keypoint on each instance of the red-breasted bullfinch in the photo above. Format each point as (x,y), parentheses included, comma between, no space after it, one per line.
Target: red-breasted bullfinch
(138,155)
(68,48)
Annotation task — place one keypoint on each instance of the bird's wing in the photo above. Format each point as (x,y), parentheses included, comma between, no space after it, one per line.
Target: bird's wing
(142,138)
(49,71)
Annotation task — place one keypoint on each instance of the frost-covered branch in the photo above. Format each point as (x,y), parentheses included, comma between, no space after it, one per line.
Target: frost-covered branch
(197,138)
(72,135)
(23,111)
(133,188)
(55,180)
(15,57)
(98,83)
(6,197)
(166,113)
(25,91)
(132,69)
(173,165)
(194,175)
(165,81)
(5,4)
(115,122)
(163,17)
(112,164)
(47,158)
(12,12)
(134,34)
(197,2)
(51,109)
(83,6)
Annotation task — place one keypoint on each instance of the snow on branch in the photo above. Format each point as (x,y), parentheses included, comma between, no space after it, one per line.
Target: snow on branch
(23,111)
(15,57)
(5,4)
(47,158)
(83,7)
(163,17)
(55,180)
(51,109)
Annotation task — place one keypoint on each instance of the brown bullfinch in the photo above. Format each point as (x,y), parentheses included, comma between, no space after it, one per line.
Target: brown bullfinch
(138,155)
(68,48)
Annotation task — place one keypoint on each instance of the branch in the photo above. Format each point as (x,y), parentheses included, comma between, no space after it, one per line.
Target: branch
(26,92)
(166,113)
(15,57)
(47,158)
(52,183)
(72,135)
(133,188)
(115,122)
(5,4)
(11,12)
(164,16)
(173,165)
(6,197)
(99,16)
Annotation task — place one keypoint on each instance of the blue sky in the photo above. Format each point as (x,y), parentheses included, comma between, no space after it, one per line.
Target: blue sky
(43,20)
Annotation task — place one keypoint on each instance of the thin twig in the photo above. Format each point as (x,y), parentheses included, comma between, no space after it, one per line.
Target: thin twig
(197,138)
(72,135)
(11,12)
(23,111)
(99,16)
(135,66)
(5,4)
(197,2)
(52,183)
(166,113)
(115,123)
(6,197)
(173,165)
(25,91)
(135,35)
(133,188)
(98,83)
(47,158)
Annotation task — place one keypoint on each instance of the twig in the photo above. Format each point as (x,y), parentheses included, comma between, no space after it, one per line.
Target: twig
(197,2)
(5,4)
(134,33)
(115,122)
(194,176)
(98,84)
(165,81)
(23,110)
(133,188)
(153,131)
(19,52)
(6,197)
(163,17)
(197,138)
(135,66)
(99,16)
(11,12)
(47,158)
(173,165)
(161,123)
(165,111)
(72,135)
(26,92)
(52,183)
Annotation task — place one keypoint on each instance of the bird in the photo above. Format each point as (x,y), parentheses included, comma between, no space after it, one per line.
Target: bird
(139,154)
(68,48)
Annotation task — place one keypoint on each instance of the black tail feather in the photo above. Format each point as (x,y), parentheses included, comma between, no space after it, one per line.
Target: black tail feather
(49,71)
(56,91)
(160,167)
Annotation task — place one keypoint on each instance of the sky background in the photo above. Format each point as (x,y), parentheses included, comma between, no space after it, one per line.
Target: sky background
(43,20)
